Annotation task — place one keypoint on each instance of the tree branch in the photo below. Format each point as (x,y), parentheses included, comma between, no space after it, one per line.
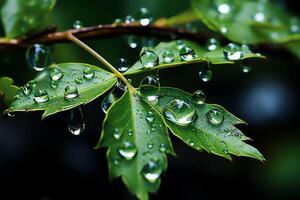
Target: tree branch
(49,36)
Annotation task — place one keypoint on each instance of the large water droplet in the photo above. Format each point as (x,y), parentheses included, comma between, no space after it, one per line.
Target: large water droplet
(233,52)
(71,92)
(215,116)
(145,17)
(77,24)
(168,57)
(148,58)
(128,150)
(180,112)
(117,133)
(76,124)
(150,117)
(56,74)
(41,96)
(27,89)
(122,65)
(199,97)
(152,171)
(150,88)
(187,54)
(108,101)
(213,44)
(37,57)
(88,73)
(205,74)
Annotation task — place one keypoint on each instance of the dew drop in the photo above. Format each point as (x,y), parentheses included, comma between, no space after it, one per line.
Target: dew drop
(117,134)
(191,142)
(180,44)
(168,57)
(151,171)
(37,57)
(246,68)
(148,58)
(77,24)
(27,89)
(150,117)
(180,112)
(199,97)
(107,102)
(145,17)
(213,44)
(128,151)
(206,74)
(129,19)
(76,124)
(233,52)
(162,148)
(79,80)
(224,8)
(122,65)
(56,74)
(294,25)
(132,41)
(71,92)
(259,17)
(53,84)
(150,145)
(41,96)
(88,73)
(215,116)
(150,88)
(187,54)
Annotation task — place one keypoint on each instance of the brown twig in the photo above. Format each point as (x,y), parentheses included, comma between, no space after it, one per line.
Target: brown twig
(104,31)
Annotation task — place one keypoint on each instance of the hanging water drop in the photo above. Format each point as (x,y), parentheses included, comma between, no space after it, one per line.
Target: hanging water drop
(132,41)
(152,171)
(108,101)
(122,65)
(27,89)
(187,54)
(150,88)
(37,57)
(215,116)
(198,97)
(168,57)
(76,124)
(41,96)
(180,112)
(246,68)
(148,58)
(56,74)
(117,134)
(88,73)
(205,74)
(77,24)
(128,150)
(233,52)
(71,92)
(150,117)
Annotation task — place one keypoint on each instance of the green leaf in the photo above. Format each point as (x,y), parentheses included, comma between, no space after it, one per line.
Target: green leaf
(126,122)
(73,75)
(7,90)
(223,139)
(22,17)
(240,24)
(202,55)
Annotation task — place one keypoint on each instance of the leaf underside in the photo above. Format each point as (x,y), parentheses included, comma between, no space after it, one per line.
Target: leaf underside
(128,117)
(88,90)
(7,90)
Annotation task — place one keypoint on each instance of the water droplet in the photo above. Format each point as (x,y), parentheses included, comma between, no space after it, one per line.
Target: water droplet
(76,124)
(206,74)
(246,68)
(129,19)
(213,44)
(168,57)
(180,112)
(162,148)
(152,171)
(8,113)
(294,25)
(53,84)
(71,92)
(150,117)
(17,96)
(132,41)
(27,89)
(187,54)
(224,8)
(122,65)
(41,96)
(117,21)
(199,97)
(191,142)
(259,17)
(37,57)
(233,52)
(180,44)
(148,58)
(107,102)
(117,133)
(215,116)
(145,17)
(88,73)
(150,145)
(130,132)
(150,88)
(226,151)
(128,150)
(77,24)
(56,74)
(224,29)
(79,80)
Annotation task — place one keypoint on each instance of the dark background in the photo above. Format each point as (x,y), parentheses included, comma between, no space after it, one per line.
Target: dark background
(41,160)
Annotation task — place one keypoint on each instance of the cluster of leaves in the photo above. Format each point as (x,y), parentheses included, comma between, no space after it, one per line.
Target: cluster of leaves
(127,123)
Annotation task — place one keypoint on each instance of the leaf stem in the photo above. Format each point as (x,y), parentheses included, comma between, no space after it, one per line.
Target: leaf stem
(91,51)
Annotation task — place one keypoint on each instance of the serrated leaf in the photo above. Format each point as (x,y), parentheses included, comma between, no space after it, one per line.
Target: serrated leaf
(7,90)
(73,75)
(274,25)
(127,119)
(202,55)
(222,140)
(22,17)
